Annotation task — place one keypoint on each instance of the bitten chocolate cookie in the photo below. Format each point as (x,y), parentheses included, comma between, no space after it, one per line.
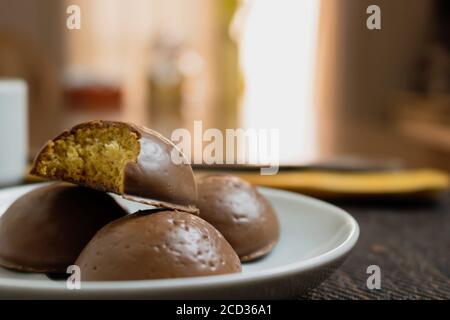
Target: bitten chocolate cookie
(156,245)
(122,158)
(245,218)
(46,229)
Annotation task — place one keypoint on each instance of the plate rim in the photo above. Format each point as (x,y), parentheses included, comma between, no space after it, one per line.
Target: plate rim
(287,270)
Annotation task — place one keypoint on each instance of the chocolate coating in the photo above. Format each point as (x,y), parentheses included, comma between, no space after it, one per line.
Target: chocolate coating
(155,245)
(156,176)
(153,178)
(46,229)
(245,218)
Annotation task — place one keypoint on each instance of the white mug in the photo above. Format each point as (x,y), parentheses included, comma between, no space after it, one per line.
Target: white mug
(13,131)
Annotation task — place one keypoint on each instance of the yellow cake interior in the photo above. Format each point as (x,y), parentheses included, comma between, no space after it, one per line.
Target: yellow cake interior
(92,155)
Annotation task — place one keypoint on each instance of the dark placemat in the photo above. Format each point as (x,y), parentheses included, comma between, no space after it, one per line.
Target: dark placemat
(409,242)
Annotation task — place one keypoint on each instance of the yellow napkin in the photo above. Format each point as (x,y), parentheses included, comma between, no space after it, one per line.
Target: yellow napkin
(336,184)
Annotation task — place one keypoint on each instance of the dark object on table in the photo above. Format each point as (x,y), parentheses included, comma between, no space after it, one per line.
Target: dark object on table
(46,229)
(91,97)
(245,218)
(155,245)
(122,158)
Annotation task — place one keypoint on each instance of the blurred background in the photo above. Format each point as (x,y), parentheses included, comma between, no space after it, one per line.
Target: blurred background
(310,68)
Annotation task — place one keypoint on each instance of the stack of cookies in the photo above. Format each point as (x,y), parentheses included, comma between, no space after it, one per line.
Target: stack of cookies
(194,227)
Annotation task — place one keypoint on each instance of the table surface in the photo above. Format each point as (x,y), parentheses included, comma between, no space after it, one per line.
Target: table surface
(409,242)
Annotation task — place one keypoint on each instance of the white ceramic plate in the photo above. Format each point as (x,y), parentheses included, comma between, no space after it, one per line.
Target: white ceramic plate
(315,239)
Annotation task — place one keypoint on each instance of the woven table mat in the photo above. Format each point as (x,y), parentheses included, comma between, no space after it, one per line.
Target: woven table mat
(409,242)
